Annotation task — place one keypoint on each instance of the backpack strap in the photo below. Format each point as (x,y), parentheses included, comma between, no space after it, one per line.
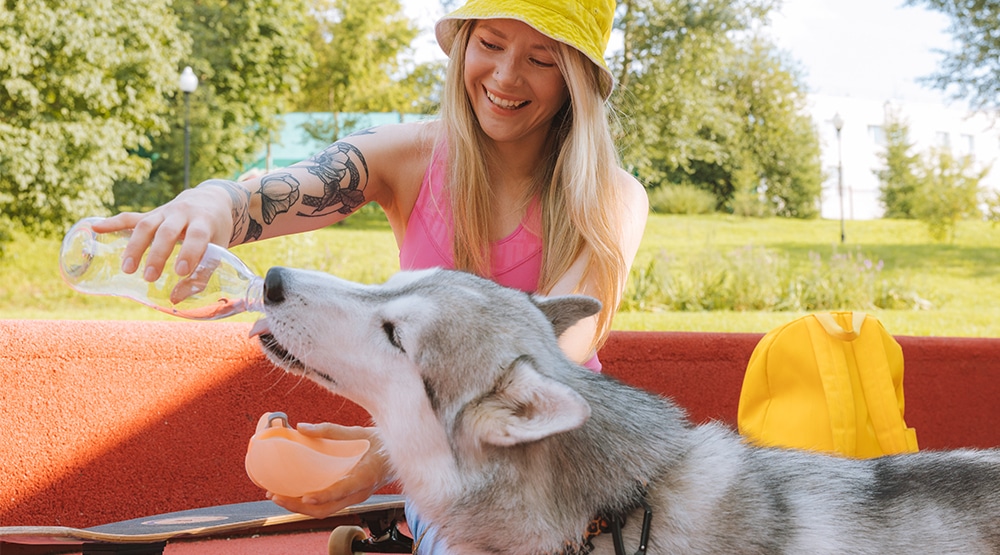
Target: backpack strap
(880,394)
(876,382)
(835,330)
(836,384)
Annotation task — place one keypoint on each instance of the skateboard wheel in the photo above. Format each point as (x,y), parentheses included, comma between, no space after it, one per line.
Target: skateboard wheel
(342,539)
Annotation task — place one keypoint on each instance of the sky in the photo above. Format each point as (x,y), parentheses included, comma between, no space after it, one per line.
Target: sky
(874,49)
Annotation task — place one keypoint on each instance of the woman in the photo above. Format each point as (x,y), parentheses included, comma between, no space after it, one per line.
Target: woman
(518,181)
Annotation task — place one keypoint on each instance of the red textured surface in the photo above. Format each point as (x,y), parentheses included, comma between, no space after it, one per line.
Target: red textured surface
(106,421)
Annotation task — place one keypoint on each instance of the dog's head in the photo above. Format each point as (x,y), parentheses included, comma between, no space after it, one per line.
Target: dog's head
(482,358)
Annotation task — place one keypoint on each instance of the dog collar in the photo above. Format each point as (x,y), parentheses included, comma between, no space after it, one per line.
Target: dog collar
(603,524)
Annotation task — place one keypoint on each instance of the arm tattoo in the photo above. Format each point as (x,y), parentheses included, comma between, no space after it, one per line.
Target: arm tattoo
(245,228)
(278,193)
(340,162)
(368,131)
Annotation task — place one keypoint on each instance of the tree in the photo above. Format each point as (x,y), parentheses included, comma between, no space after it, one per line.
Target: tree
(421,88)
(249,57)
(779,154)
(898,182)
(972,71)
(949,192)
(667,84)
(360,67)
(714,105)
(83,87)
(934,187)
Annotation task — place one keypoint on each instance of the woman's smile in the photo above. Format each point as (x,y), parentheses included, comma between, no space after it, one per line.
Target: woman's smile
(504,103)
(513,82)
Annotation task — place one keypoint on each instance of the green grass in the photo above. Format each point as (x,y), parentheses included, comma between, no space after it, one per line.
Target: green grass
(961,279)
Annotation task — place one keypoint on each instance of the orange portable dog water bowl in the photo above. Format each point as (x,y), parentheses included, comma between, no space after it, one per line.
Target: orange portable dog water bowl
(284,461)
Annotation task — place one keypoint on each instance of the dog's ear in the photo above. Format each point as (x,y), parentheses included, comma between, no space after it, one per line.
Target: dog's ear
(566,310)
(527,406)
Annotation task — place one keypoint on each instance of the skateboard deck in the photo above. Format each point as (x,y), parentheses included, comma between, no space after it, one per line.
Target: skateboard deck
(193,523)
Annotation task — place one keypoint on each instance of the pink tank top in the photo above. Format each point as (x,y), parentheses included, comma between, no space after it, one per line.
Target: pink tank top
(516,259)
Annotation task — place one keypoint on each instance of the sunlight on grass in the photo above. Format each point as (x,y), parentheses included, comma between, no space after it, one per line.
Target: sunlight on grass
(961,279)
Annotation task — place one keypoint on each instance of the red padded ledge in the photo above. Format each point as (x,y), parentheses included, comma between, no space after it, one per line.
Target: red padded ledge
(111,420)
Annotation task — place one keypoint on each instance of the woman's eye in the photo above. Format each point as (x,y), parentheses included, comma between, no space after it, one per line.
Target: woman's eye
(488,45)
(542,64)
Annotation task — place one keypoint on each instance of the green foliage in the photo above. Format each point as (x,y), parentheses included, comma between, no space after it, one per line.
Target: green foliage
(750,204)
(972,70)
(681,199)
(898,179)
(715,106)
(248,56)
(82,89)
(949,191)
(359,64)
(667,83)
(780,152)
(991,206)
(758,278)
(421,88)
(936,188)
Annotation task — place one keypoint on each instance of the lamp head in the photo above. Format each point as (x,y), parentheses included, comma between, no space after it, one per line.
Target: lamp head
(188,81)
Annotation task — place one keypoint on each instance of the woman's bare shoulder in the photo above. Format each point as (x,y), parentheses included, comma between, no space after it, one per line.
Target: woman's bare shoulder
(397,139)
(633,193)
(396,156)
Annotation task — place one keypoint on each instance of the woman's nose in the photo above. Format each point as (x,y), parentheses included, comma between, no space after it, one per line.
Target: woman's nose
(506,72)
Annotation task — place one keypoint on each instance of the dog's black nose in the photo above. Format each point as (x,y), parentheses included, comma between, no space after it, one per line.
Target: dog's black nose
(274,288)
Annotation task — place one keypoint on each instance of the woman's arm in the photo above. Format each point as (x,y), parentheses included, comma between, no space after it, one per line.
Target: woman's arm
(577,341)
(383,165)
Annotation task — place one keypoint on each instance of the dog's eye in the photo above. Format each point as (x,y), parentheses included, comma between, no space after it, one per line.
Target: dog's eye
(390,332)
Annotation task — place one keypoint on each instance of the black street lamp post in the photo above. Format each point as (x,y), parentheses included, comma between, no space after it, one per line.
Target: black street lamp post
(188,83)
(838,124)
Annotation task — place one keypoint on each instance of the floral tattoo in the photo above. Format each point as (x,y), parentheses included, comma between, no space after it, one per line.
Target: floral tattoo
(344,173)
(278,193)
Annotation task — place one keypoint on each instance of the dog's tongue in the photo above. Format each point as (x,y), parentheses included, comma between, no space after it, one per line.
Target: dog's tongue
(260,327)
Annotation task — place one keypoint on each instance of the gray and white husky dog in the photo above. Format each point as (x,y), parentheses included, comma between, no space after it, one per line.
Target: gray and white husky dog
(509,447)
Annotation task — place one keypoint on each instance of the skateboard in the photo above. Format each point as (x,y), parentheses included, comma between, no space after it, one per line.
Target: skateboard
(149,535)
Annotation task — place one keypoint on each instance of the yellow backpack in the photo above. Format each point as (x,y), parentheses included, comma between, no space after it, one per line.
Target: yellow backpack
(830,382)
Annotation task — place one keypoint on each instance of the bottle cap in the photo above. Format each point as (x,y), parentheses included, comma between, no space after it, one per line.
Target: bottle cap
(284,461)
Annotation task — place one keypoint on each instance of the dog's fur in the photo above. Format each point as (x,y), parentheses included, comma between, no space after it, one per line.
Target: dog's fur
(508,447)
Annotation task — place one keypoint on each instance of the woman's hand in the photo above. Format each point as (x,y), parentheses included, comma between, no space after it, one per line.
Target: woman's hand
(368,476)
(197,216)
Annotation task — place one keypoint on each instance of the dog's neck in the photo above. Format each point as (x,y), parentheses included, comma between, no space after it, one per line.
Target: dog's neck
(609,525)
(418,451)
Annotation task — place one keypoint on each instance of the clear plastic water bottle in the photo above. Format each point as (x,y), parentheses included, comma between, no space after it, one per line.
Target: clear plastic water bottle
(221,285)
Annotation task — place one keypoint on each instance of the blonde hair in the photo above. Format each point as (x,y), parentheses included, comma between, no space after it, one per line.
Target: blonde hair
(581,204)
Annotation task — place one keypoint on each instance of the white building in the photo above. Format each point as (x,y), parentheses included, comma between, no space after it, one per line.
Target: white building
(862,139)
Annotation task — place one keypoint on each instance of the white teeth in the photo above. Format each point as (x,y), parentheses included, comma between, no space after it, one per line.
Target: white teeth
(507,104)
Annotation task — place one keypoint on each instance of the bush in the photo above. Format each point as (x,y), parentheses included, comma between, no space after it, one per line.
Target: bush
(681,199)
(749,204)
(756,278)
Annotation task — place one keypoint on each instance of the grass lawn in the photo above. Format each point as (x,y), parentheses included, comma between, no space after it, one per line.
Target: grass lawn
(961,279)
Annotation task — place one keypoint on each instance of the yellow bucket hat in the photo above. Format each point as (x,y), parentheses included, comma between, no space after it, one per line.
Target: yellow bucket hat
(582,24)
